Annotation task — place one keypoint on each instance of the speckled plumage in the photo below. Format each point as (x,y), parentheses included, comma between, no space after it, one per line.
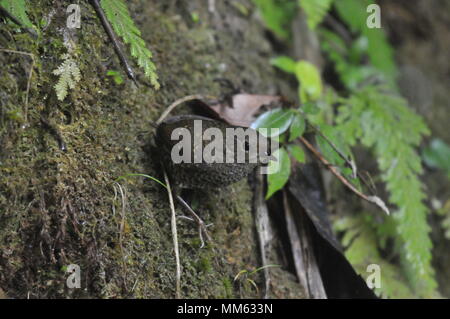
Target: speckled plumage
(199,175)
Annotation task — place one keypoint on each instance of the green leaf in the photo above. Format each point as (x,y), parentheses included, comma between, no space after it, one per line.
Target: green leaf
(327,150)
(310,88)
(18,9)
(116,76)
(310,108)
(437,155)
(284,63)
(354,13)
(315,11)
(277,15)
(263,267)
(277,180)
(118,15)
(69,74)
(277,118)
(195,17)
(310,81)
(297,128)
(297,152)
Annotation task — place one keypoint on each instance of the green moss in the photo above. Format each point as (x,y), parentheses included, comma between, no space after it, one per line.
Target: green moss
(58,208)
(228,287)
(205,265)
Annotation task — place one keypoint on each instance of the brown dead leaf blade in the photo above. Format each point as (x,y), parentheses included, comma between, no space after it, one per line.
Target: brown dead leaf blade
(240,109)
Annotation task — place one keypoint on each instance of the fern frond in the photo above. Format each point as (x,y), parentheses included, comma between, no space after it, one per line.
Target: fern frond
(384,123)
(118,15)
(315,11)
(18,9)
(277,15)
(361,249)
(69,75)
(354,13)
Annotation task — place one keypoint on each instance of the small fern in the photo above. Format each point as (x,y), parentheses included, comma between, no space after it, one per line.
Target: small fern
(18,9)
(69,75)
(315,10)
(118,15)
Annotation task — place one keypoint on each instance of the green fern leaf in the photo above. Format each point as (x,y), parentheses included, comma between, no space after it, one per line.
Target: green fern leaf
(18,9)
(382,121)
(118,15)
(385,124)
(315,11)
(69,75)
(354,13)
(361,249)
(277,14)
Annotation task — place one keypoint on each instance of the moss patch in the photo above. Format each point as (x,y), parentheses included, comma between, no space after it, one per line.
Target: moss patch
(59,208)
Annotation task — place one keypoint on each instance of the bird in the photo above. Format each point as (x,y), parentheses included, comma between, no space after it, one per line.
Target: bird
(234,157)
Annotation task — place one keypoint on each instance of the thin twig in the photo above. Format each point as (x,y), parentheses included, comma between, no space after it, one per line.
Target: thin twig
(203,227)
(178,102)
(121,230)
(370,183)
(348,161)
(201,224)
(174,237)
(373,199)
(25,110)
(112,37)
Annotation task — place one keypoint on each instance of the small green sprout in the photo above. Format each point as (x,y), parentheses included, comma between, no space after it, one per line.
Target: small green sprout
(117,77)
